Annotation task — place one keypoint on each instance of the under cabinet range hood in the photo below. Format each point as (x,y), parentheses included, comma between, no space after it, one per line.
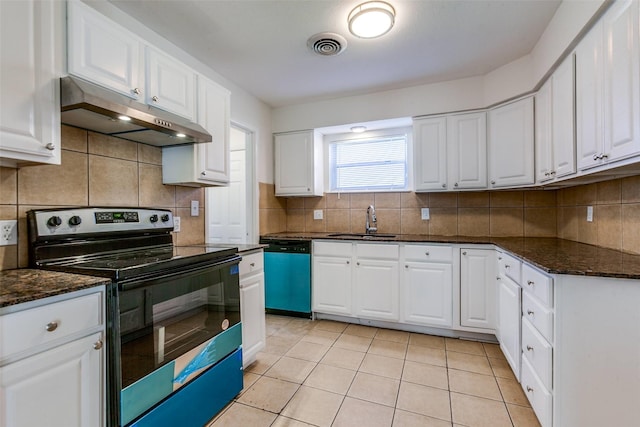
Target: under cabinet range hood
(88,106)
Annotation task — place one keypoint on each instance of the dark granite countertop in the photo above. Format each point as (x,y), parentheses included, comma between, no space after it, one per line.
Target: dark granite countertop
(555,256)
(24,285)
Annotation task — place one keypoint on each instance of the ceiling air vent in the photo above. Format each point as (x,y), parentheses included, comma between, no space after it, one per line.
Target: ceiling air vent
(327,44)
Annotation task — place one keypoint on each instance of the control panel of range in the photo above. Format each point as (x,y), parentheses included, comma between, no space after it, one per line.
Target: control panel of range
(100,220)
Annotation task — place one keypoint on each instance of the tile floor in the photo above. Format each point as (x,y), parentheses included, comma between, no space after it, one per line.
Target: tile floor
(325,373)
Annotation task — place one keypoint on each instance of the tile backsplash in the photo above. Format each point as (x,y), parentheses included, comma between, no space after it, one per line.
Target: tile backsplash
(96,170)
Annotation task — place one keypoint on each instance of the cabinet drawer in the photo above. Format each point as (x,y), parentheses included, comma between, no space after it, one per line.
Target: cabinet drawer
(510,267)
(538,352)
(540,398)
(332,249)
(538,284)
(251,263)
(28,328)
(377,251)
(428,253)
(541,317)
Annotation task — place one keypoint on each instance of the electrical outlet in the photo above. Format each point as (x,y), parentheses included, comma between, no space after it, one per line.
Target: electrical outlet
(8,232)
(317,214)
(589,213)
(425,213)
(176,224)
(195,208)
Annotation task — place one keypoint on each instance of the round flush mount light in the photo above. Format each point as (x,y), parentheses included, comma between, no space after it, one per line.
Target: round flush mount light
(124,118)
(371,19)
(358,129)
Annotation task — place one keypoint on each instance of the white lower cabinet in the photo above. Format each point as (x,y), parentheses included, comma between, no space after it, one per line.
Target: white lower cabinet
(252,310)
(509,313)
(52,362)
(332,277)
(477,288)
(376,283)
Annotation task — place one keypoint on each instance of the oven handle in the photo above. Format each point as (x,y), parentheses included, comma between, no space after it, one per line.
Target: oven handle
(139,282)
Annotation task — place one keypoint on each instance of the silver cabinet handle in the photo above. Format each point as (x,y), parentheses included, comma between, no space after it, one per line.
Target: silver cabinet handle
(464,253)
(499,258)
(406,266)
(444,185)
(155,99)
(530,313)
(51,326)
(507,266)
(596,157)
(50,146)
(97,345)
(552,173)
(253,264)
(529,389)
(493,182)
(136,91)
(455,185)
(348,262)
(498,278)
(357,263)
(604,156)
(426,253)
(529,348)
(530,282)
(546,174)
(203,173)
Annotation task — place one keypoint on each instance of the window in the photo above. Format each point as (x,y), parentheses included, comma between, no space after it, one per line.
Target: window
(369,164)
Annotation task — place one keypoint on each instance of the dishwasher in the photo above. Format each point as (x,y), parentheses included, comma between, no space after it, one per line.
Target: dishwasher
(287,277)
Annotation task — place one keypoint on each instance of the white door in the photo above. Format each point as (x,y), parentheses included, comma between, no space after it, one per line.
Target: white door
(477,288)
(376,289)
(253,320)
(332,285)
(428,294)
(467,145)
(509,318)
(430,145)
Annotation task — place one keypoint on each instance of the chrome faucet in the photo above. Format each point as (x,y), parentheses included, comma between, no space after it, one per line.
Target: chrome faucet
(371,217)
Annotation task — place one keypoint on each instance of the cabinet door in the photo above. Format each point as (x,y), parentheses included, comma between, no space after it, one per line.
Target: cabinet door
(511,144)
(544,136)
(63,386)
(30,103)
(622,81)
(430,153)
(332,285)
(253,317)
(467,145)
(509,318)
(428,290)
(213,115)
(170,84)
(564,145)
(294,163)
(477,288)
(103,52)
(376,289)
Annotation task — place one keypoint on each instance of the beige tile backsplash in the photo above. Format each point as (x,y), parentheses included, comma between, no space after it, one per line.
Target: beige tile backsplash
(95,170)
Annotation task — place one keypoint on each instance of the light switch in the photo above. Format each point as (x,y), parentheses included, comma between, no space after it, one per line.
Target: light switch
(195,208)
(317,214)
(425,213)
(589,213)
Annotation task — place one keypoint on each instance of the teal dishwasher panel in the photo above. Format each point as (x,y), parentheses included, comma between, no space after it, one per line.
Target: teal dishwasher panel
(287,278)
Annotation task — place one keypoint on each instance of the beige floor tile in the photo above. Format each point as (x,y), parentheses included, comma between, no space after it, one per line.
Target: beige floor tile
(290,333)
(287,422)
(269,394)
(424,374)
(361,331)
(263,362)
(392,335)
(290,369)
(424,400)
(275,320)
(313,406)
(355,412)
(280,345)
(308,351)
(409,419)
(493,350)
(512,392)
(330,326)
(478,412)
(248,380)
(319,336)
(468,362)
(464,346)
(474,384)
(383,366)
(521,416)
(388,348)
(353,342)
(374,388)
(242,415)
(426,340)
(343,358)
(501,368)
(432,356)
(330,378)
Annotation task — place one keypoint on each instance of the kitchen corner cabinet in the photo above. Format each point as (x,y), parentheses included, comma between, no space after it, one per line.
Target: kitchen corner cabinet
(206,164)
(510,141)
(608,88)
(477,288)
(254,335)
(29,72)
(52,358)
(332,274)
(298,164)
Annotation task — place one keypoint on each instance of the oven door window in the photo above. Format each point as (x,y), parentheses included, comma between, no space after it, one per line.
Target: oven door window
(168,317)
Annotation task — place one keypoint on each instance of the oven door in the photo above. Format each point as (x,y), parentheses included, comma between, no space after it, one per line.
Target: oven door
(173,328)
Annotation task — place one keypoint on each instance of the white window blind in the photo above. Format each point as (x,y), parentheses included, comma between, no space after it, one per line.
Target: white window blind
(371,164)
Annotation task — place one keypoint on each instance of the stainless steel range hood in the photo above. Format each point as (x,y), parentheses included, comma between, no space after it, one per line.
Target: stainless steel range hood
(88,106)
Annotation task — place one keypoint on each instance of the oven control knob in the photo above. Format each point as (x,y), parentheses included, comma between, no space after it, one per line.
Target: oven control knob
(153,218)
(75,220)
(165,217)
(54,221)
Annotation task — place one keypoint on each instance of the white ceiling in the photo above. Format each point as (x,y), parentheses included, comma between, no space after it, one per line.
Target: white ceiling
(261,44)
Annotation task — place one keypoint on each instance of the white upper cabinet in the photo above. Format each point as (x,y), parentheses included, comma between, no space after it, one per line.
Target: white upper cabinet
(450,152)
(102,52)
(298,169)
(29,104)
(608,88)
(170,84)
(543,133)
(511,154)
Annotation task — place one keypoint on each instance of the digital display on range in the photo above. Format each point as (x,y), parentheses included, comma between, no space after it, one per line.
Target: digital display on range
(114,217)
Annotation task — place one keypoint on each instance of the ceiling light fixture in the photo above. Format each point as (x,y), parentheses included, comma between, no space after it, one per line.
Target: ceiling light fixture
(358,129)
(124,118)
(371,19)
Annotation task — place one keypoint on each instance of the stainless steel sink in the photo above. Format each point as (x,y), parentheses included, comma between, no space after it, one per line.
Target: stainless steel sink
(363,235)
